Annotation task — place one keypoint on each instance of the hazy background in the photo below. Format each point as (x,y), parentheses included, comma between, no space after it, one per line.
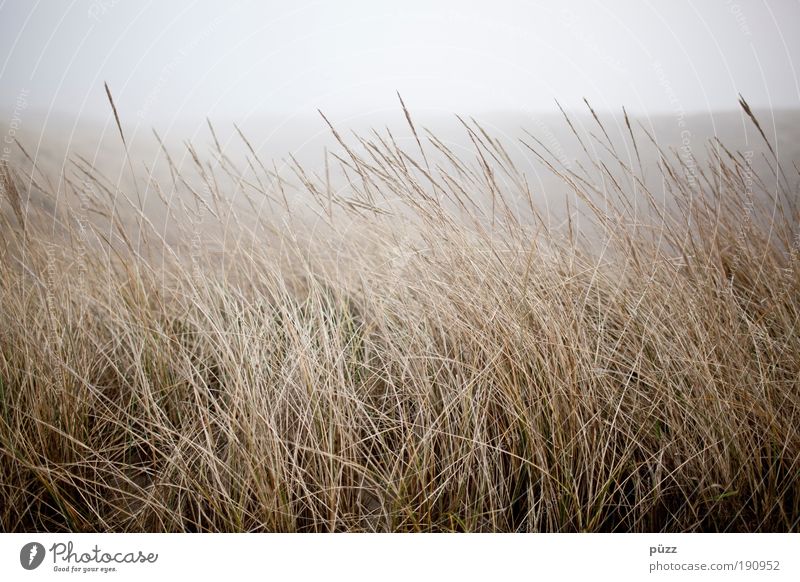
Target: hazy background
(189,59)
(268,66)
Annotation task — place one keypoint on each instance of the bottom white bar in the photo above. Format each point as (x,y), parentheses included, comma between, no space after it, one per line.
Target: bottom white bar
(356,557)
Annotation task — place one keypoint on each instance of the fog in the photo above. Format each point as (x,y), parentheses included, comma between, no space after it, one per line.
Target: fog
(180,62)
(268,67)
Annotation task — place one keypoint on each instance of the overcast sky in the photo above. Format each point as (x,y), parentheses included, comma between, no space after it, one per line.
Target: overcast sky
(242,59)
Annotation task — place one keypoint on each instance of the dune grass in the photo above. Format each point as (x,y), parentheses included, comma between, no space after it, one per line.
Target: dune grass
(420,348)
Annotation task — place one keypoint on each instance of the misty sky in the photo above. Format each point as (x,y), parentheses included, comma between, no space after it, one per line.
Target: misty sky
(241,59)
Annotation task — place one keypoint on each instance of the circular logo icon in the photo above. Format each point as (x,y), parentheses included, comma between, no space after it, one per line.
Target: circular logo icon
(31,555)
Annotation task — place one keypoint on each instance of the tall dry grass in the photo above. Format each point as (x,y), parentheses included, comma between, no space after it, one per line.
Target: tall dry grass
(420,349)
